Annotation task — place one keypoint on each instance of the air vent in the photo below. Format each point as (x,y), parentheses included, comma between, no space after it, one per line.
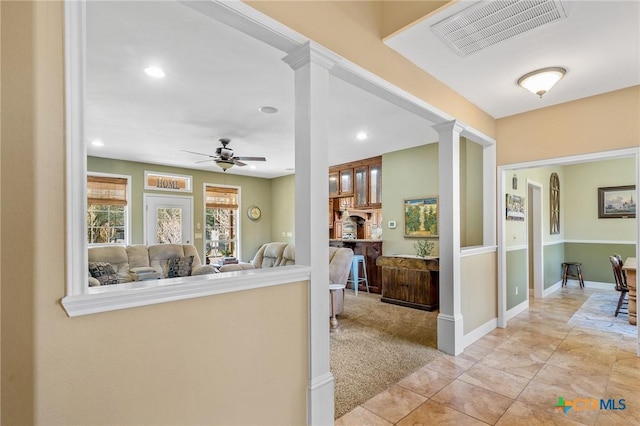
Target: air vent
(489,22)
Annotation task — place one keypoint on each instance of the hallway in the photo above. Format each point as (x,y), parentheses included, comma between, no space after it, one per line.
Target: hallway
(514,376)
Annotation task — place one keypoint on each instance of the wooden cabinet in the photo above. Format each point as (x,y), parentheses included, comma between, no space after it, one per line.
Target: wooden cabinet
(334,184)
(368,188)
(346,182)
(410,281)
(375,186)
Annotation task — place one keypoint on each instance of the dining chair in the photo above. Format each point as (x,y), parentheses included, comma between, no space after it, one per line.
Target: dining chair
(621,280)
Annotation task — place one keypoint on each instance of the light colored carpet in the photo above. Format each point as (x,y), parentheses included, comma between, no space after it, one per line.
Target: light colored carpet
(376,345)
(597,313)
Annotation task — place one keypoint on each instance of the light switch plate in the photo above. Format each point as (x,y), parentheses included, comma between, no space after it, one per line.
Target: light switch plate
(391,224)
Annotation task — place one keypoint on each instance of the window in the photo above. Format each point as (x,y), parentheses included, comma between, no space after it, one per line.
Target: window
(221,218)
(107,209)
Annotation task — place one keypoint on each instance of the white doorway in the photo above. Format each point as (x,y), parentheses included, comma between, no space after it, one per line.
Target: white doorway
(534,238)
(168,219)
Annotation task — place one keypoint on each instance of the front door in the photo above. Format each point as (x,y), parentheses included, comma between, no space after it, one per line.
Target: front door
(168,219)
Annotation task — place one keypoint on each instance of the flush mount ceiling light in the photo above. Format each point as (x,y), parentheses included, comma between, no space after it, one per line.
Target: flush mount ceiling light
(155,72)
(541,81)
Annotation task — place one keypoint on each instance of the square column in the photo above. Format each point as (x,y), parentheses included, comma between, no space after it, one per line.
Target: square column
(450,330)
(311,64)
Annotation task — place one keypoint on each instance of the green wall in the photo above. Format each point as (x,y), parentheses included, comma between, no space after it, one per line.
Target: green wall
(283,219)
(583,237)
(595,258)
(553,258)
(413,173)
(253,191)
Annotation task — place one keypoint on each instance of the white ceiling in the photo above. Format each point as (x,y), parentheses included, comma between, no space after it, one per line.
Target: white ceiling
(217,78)
(598,43)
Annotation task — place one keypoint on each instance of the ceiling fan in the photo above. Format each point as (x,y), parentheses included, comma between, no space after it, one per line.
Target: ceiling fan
(224,156)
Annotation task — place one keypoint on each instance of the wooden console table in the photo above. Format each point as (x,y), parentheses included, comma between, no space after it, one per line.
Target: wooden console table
(630,267)
(410,281)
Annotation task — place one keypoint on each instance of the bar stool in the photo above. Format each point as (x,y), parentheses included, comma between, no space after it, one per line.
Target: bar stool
(567,273)
(355,279)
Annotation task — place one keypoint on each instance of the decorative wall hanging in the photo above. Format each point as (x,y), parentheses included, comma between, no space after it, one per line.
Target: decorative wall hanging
(421,217)
(616,202)
(515,207)
(554,204)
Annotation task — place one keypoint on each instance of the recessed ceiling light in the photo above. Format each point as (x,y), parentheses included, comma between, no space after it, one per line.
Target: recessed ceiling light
(252,167)
(97,142)
(268,109)
(361,136)
(155,72)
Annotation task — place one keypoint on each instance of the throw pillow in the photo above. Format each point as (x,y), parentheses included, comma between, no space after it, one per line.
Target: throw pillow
(103,272)
(179,267)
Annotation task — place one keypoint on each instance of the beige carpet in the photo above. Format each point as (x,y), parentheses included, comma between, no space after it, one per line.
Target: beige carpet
(377,344)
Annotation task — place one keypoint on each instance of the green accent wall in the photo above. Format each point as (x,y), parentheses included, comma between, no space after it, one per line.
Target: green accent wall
(283,200)
(413,173)
(516,277)
(254,191)
(553,258)
(595,258)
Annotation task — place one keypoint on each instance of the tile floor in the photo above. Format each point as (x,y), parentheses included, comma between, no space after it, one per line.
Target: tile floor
(514,376)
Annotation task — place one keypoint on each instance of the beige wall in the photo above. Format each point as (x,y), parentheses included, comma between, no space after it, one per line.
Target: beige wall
(331,23)
(253,191)
(598,123)
(399,14)
(213,359)
(479,290)
(283,217)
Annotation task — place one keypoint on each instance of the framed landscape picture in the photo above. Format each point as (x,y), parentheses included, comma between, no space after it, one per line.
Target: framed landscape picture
(421,217)
(616,202)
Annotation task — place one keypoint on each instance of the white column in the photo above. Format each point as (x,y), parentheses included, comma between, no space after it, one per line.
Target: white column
(311,64)
(450,330)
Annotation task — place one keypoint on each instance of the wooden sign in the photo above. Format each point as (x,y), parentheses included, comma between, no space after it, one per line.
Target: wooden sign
(167,182)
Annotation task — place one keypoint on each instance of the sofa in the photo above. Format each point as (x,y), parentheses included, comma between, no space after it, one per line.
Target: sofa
(119,264)
(275,254)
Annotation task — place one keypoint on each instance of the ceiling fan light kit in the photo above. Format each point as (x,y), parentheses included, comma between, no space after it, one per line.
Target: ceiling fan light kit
(224,156)
(541,81)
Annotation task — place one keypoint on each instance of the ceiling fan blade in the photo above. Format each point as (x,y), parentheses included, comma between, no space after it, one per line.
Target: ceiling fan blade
(199,153)
(251,158)
(238,163)
(205,161)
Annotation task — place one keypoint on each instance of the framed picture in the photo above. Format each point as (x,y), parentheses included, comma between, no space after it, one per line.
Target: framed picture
(421,217)
(616,202)
(515,207)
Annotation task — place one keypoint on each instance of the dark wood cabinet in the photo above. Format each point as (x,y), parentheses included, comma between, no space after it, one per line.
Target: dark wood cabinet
(410,281)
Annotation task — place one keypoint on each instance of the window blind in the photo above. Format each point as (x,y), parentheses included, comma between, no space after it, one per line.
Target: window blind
(107,190)
(220,197)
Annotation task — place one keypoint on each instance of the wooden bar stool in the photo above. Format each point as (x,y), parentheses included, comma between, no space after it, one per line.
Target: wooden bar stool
(575,273)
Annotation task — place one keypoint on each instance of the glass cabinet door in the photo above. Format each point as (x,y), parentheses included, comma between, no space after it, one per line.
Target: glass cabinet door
(375,184)
(361,187)
(333,184)
(346,181)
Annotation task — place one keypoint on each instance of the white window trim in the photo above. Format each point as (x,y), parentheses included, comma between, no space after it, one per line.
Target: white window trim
(238,222)
(127,212)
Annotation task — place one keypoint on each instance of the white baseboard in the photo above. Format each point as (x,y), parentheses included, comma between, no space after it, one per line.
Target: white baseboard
(517,309)
(548,291)
(479,332)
